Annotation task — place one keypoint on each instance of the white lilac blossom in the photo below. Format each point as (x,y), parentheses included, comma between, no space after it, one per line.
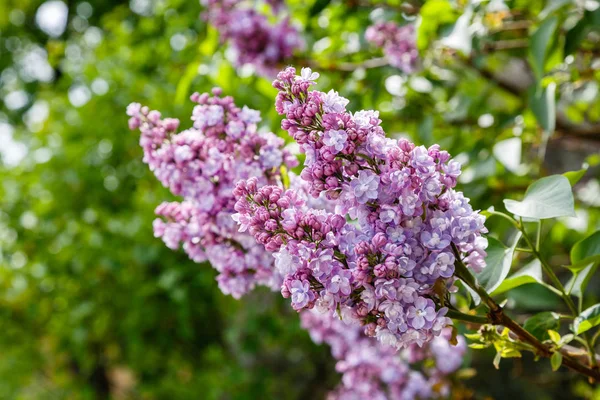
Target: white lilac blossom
(252,38)
(398,43)
(376,371)
(394,229)
(202,165)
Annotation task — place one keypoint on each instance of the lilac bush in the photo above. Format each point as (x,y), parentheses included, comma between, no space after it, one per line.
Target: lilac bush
(395,233)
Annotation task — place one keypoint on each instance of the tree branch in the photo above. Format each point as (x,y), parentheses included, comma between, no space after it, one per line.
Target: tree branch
(497,316)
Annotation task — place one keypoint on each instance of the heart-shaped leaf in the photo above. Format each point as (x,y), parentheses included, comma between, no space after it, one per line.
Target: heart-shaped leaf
(548,197)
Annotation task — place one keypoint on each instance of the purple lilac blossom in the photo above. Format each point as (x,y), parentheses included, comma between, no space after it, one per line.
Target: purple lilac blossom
(252,38)
(393,232)
(398,43)
(201,165)
(376,371)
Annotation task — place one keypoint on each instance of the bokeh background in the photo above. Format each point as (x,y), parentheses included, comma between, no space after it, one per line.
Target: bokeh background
(92,306)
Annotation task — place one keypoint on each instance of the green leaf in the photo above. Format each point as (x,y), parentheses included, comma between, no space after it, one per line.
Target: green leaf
(531,273)
(556,360)
(534,297)
(539,44)
(554,336)
(578,283)
(548,197)
(586,248)
(433,15)
(498,263)
(510,353)
(543,105)
(539,324)
(587,319)
(575,176)
(317,7)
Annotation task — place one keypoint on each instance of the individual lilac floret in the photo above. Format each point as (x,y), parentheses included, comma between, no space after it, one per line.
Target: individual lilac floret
(396,229)
(202,164)
(253,39)
(398,44)
(336,139)
(364,187)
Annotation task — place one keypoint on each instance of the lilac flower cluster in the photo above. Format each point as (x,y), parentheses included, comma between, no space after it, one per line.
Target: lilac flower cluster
(253,39)
(398,43)
(376,371)
(202,165)
(396,231)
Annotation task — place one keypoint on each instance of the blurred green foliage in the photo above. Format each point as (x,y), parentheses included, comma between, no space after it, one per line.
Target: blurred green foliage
(92,305)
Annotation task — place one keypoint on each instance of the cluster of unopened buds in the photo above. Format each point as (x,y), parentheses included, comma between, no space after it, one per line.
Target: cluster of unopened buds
(374,371)
(252,38)
(384,257)
(398,43)
(202,165)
